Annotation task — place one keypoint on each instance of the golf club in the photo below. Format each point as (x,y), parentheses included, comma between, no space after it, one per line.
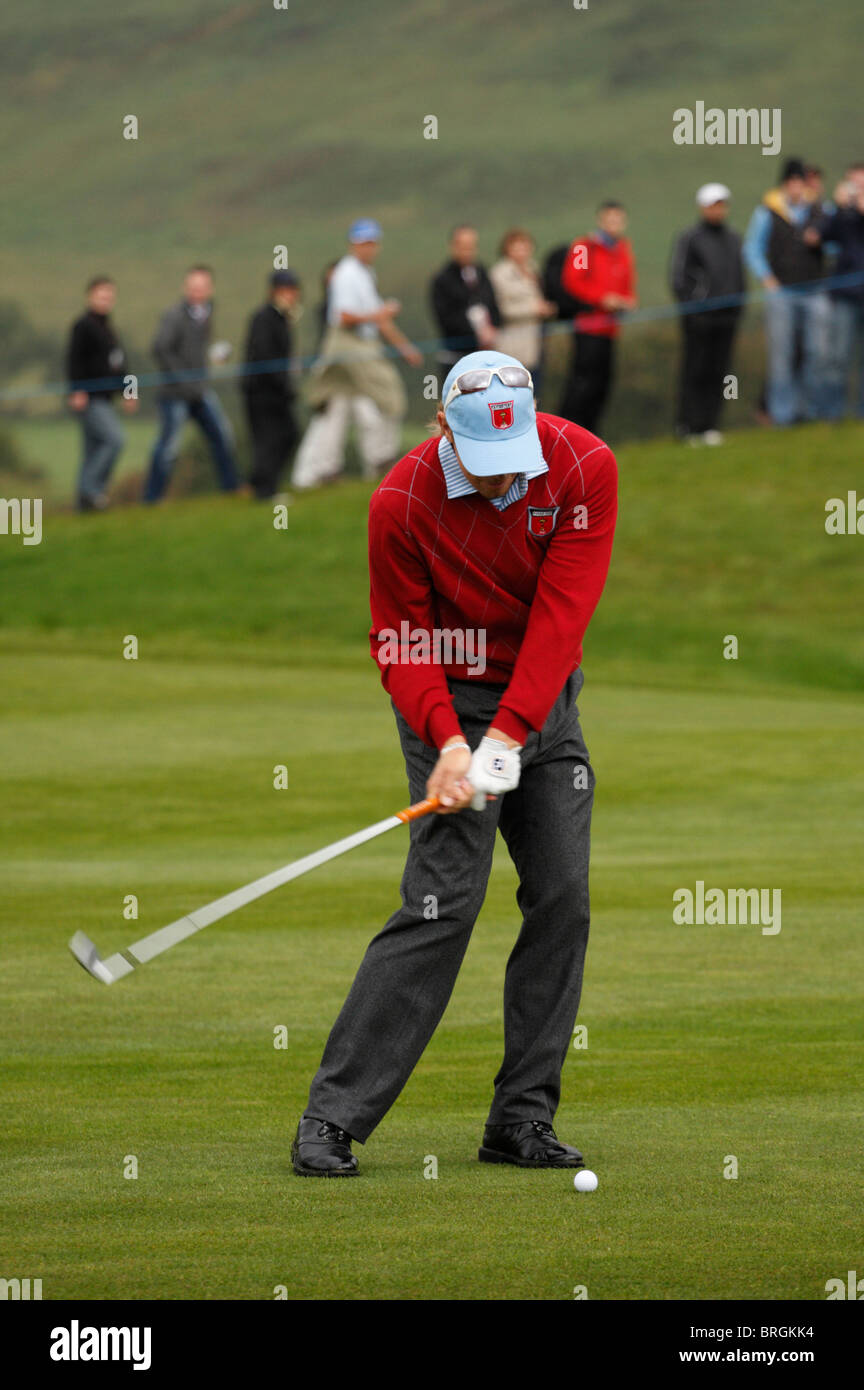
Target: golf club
(124,962)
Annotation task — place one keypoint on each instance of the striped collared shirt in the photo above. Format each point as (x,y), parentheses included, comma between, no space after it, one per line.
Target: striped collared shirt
(459,486)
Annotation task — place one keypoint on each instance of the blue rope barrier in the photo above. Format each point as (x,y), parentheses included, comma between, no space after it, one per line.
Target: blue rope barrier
(652,314)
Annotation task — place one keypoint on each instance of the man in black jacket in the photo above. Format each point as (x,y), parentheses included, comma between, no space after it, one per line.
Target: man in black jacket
(845,229)
(463,300)
(95,363)
(269,395)
(707,265)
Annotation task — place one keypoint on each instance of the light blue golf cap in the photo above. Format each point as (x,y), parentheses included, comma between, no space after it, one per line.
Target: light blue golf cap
(495,431)
(364,229)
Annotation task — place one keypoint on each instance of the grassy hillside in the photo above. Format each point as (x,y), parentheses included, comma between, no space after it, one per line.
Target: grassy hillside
(261,126)
(155,778)
(710,542)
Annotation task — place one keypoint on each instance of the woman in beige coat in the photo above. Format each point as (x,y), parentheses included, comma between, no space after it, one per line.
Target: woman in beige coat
(520,299)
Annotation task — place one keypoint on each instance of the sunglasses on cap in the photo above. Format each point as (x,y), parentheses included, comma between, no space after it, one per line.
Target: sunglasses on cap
(480,379)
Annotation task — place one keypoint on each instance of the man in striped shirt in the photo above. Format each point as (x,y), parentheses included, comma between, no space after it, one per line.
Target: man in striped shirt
(503,525)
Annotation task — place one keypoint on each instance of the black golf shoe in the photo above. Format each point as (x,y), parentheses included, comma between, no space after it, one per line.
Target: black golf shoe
(322,1150)
(531,1144)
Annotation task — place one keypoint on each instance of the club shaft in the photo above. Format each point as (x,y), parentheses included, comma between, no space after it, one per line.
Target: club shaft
(161,940)
(158,941)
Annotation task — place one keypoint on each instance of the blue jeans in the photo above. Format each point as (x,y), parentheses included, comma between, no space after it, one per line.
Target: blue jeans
(847,333)
(103,439)
(208,415)
(797,392)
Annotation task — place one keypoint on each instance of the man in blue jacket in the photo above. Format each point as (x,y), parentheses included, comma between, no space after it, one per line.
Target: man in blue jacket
(783,250)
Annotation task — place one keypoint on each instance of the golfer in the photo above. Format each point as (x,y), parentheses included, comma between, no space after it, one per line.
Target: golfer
(494,537)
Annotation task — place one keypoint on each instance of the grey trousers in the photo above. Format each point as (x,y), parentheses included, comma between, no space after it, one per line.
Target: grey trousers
(408,972)
(103,439)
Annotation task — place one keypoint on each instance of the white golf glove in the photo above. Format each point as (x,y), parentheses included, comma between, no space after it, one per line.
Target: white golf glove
(494,770)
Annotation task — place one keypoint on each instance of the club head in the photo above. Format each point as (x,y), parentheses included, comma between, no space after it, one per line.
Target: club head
(86,954)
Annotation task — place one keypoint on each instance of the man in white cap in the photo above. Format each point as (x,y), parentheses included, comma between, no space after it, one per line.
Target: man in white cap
(353,378)
(707,279)
(490,539)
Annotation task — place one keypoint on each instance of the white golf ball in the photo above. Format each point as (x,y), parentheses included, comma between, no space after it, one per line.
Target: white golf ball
(585,1180)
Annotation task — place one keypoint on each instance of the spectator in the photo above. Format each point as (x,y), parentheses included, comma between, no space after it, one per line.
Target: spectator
(181,348)
(814,192)
(707,265)
(521,303)
(269,395)
(321,306)
(782,250)
(844,229)
(96,362)
(353,376)
(814,187)
(463,300)
(550,278)
(600,273)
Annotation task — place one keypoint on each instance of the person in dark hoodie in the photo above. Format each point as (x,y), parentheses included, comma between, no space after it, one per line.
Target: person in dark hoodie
(269,395)
(844,229)
(463,300)
(707,265)
(782,250)
(182,350)
(96,362)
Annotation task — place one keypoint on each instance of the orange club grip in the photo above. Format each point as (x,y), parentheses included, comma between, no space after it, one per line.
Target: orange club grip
(420,808)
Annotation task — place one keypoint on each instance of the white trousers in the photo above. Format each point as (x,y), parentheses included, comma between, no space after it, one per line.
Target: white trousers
(321,454)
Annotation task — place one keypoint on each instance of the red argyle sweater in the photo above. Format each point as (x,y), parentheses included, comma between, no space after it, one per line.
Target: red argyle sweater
(529,576)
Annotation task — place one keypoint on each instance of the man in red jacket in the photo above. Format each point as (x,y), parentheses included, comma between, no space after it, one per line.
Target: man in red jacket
(488,551)
(600,272)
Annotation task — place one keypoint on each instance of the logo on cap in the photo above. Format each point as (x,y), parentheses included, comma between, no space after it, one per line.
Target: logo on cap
(502,414)
(541,520)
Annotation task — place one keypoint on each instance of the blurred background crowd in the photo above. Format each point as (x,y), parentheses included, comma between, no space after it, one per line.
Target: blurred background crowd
(801,254)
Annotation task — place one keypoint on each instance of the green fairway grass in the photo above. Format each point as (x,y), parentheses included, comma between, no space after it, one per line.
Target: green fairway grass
(53,448)
(155,778)
(50,448)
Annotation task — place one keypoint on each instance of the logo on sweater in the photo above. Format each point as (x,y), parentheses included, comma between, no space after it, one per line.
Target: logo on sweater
(502,414)
(541,520)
